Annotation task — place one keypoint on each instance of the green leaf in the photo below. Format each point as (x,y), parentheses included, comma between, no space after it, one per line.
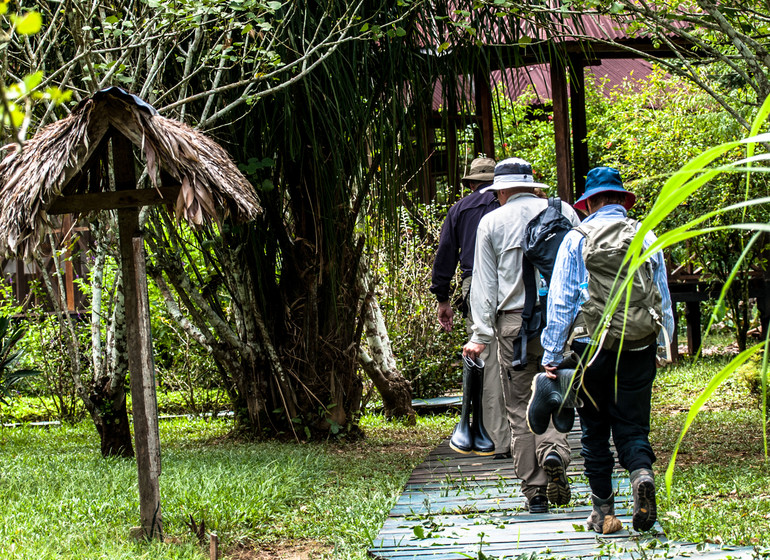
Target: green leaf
(31,81)
(28,24)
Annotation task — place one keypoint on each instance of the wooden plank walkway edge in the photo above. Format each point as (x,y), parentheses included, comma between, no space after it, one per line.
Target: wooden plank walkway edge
(464,506)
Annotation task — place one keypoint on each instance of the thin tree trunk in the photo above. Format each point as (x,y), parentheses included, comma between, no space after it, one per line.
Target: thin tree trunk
(380,365)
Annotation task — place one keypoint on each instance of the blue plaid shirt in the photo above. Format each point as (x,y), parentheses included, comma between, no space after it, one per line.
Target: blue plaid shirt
(569,272)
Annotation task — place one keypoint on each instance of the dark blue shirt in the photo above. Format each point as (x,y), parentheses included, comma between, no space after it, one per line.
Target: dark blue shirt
(458,240)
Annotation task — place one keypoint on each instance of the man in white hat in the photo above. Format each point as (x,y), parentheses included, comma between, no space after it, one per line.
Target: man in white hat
(498,297)
(456,245)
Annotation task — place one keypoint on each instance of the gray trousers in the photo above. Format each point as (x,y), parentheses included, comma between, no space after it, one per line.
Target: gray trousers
(493,404)
(528,450)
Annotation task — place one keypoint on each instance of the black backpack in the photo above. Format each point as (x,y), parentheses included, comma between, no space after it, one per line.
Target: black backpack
(543,235)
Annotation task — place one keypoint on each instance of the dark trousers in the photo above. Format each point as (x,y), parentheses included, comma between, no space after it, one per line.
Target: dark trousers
(620,384)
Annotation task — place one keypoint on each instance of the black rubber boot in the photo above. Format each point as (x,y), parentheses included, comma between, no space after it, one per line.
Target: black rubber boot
(482,443)
(462,438)
(553,399)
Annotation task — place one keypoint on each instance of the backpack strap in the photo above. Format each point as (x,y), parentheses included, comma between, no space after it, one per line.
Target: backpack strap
(555,202)
(532,322)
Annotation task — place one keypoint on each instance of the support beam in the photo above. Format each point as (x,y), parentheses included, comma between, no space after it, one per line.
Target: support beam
(692,315)
(561,127)
(484,110)
(140,361)
(113,200)
(579,126)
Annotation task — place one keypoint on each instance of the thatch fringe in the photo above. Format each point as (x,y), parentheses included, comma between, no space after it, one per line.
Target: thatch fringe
(212,187)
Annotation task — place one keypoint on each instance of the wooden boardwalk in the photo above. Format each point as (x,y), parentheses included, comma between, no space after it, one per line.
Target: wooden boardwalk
(465,506)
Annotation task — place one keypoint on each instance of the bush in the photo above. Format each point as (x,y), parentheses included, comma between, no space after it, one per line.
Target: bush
(426,355)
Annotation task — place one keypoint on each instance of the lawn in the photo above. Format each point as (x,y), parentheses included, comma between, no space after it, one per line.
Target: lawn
(60,499)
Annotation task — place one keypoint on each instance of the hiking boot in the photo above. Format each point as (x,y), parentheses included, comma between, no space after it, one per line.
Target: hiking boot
(568,380)
(645,508)
(557,491)
(537,504)
(602,508)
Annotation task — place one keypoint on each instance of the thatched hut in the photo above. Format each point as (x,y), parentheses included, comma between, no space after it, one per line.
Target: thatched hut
(85,163)
(50,174)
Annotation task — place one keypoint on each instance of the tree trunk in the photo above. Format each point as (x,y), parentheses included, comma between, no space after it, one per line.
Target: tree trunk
(111,419)
(381,367)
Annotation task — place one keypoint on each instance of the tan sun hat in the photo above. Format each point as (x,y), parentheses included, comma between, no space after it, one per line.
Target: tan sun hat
(513,172)
(482,170)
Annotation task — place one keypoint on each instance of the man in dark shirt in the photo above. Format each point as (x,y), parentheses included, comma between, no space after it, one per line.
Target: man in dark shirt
(456,244)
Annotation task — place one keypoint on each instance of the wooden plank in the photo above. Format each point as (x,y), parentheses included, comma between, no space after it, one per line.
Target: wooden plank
(452,509)
(113,200)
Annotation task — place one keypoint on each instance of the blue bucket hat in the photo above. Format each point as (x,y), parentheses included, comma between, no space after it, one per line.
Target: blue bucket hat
(603,179)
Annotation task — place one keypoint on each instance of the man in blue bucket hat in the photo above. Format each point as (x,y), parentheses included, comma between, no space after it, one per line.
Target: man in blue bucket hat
(617,381)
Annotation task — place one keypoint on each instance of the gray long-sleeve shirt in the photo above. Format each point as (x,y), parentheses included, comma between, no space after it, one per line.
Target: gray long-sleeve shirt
(497,277)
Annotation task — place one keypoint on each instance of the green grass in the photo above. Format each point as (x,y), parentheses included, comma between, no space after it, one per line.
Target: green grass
(60,499)
(721,486)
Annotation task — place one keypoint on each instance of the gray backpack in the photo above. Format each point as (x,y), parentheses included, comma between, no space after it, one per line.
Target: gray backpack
(604,248)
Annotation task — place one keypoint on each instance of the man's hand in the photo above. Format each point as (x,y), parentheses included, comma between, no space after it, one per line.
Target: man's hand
(473,349)
(445,315)
(550,371)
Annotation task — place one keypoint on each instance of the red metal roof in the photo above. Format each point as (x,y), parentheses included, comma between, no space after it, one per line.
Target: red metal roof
(607,74)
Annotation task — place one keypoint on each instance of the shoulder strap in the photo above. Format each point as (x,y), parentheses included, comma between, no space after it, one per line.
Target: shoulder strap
(555,202)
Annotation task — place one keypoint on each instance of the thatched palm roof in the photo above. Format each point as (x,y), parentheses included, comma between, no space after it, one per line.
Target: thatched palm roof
(32,178)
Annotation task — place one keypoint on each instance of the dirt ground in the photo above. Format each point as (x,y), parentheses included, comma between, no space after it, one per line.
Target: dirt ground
(285,550)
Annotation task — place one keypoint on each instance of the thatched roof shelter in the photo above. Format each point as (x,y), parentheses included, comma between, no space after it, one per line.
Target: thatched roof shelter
(47,176)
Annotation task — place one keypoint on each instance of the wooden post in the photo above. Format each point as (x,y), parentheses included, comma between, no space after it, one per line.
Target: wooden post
(484,110)
(692,315)
(561,126)
(579,126)
(69,273)
(451,120)
(213,546)
(140,361)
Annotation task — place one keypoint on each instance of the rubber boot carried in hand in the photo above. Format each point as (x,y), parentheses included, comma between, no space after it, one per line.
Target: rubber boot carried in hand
(482,443)
(462,438)
(554,400)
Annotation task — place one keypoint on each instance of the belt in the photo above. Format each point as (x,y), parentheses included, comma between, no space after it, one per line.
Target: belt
(509,311)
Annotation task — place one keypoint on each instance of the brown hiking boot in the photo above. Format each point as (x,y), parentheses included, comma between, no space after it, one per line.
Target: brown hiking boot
(645,508)
(602,508)
(558,490)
